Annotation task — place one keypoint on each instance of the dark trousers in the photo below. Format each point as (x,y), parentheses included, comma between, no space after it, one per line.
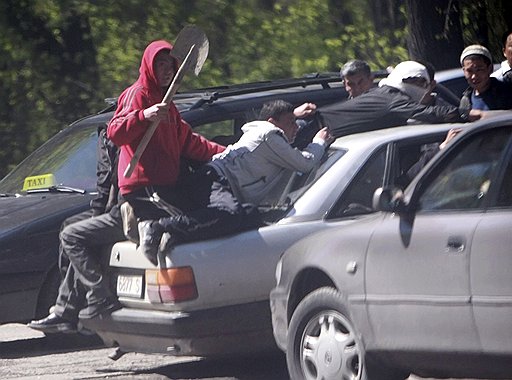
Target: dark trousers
(213,209)
(83,243)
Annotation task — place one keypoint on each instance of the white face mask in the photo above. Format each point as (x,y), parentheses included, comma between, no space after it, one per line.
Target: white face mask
(416,93)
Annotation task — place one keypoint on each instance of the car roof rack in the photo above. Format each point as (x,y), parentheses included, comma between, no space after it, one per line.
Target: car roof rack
(211,94)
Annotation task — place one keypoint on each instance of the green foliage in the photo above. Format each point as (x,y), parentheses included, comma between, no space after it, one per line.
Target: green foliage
(60,58)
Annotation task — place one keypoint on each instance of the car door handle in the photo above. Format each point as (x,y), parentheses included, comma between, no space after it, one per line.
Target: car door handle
(455,244)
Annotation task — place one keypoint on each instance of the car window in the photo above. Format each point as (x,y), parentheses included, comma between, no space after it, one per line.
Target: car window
(505,191)
(464,181)
(402,156)
(357,199)
(411,156)
(68,159)
(220,131)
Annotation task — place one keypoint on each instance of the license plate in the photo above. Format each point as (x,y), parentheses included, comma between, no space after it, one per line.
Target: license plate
(129,286)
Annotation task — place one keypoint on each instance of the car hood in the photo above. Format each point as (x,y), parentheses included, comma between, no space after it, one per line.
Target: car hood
(29,211)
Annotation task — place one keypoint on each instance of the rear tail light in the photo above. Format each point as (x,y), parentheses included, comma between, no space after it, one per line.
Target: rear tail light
(170,285)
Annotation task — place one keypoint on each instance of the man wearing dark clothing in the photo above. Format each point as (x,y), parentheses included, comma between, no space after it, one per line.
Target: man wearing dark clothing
(82,238)
(393,103)
(484,92)
(106,186)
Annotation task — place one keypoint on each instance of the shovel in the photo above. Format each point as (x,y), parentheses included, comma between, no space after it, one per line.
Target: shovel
(191,48)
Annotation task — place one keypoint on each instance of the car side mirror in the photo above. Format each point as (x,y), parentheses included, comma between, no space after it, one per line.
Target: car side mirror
(388,199)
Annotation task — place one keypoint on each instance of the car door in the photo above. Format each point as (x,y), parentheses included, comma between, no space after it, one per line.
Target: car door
(417,266)
(491,268)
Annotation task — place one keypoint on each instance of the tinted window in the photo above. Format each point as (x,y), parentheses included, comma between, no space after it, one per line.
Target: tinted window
(505,191)
(464,182)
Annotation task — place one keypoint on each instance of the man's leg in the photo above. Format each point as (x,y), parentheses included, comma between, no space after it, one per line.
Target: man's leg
(82,242)
(69,289)
(63,259)
(83,247)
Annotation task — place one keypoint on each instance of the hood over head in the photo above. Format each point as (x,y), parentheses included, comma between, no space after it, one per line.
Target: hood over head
(404,70)
(147,77)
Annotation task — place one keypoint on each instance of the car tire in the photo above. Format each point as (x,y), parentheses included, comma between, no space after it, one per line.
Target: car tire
(323,343)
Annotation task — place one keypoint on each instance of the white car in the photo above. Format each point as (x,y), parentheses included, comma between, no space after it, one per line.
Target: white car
(212,297)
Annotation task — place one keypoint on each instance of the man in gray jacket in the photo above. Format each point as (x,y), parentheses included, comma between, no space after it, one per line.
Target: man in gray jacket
(227,190)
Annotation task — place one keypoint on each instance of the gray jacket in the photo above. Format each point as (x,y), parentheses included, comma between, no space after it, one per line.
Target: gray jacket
(256,163)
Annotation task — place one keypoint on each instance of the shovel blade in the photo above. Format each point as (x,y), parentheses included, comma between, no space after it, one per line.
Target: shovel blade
(191,35)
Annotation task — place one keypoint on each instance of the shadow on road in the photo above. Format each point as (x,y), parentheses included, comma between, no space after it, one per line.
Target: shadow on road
(238,368)
(54,343)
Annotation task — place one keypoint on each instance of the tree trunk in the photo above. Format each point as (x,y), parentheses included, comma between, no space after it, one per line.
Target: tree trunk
(435,33)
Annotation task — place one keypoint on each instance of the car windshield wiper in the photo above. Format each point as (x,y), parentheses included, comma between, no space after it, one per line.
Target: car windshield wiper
(7,195)
(57,189)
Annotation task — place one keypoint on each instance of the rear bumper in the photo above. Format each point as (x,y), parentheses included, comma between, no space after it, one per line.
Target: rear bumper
(216,332)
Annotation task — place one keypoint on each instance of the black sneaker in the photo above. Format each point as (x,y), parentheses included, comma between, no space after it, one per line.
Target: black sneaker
(150,233)
(97,309)
(53,324)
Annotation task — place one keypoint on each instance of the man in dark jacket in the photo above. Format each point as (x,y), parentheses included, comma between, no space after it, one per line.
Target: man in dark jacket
(484,92)
(393,103)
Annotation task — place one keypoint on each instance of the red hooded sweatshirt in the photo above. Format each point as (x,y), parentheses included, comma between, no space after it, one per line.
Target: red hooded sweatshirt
(173,138)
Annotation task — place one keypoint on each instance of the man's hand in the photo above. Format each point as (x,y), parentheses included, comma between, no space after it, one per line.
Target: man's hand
(475,115)
(304,110)
(156,112)
(451,134)
(325,135)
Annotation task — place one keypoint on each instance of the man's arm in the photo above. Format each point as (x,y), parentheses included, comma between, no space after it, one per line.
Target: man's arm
(284,155)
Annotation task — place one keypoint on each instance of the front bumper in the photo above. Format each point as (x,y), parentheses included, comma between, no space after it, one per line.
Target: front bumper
(223,331)
(278,305)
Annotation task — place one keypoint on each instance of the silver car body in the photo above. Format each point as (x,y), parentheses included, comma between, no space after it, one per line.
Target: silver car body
(234,274)
(428,287)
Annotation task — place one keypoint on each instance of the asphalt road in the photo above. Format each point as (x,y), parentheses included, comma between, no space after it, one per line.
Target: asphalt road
(29,355)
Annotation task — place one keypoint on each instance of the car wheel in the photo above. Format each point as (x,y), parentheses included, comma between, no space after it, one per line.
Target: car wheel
(323,343)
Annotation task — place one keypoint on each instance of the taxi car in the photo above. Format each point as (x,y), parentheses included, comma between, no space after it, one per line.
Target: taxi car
(211,298)
(422,287)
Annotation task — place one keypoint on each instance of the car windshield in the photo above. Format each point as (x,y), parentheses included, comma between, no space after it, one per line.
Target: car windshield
(67,160)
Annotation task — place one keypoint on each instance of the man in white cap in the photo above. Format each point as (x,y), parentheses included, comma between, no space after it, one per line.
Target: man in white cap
(393,103)
(484,92)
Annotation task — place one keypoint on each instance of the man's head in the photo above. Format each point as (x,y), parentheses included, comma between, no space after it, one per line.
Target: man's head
(429,97)
(410,77)
(164,67)
(507,46)
(357,77)
(476,63)
(280,113)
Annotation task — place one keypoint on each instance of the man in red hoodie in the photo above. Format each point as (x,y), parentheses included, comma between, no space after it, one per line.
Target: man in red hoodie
(157,171)
(159,166)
